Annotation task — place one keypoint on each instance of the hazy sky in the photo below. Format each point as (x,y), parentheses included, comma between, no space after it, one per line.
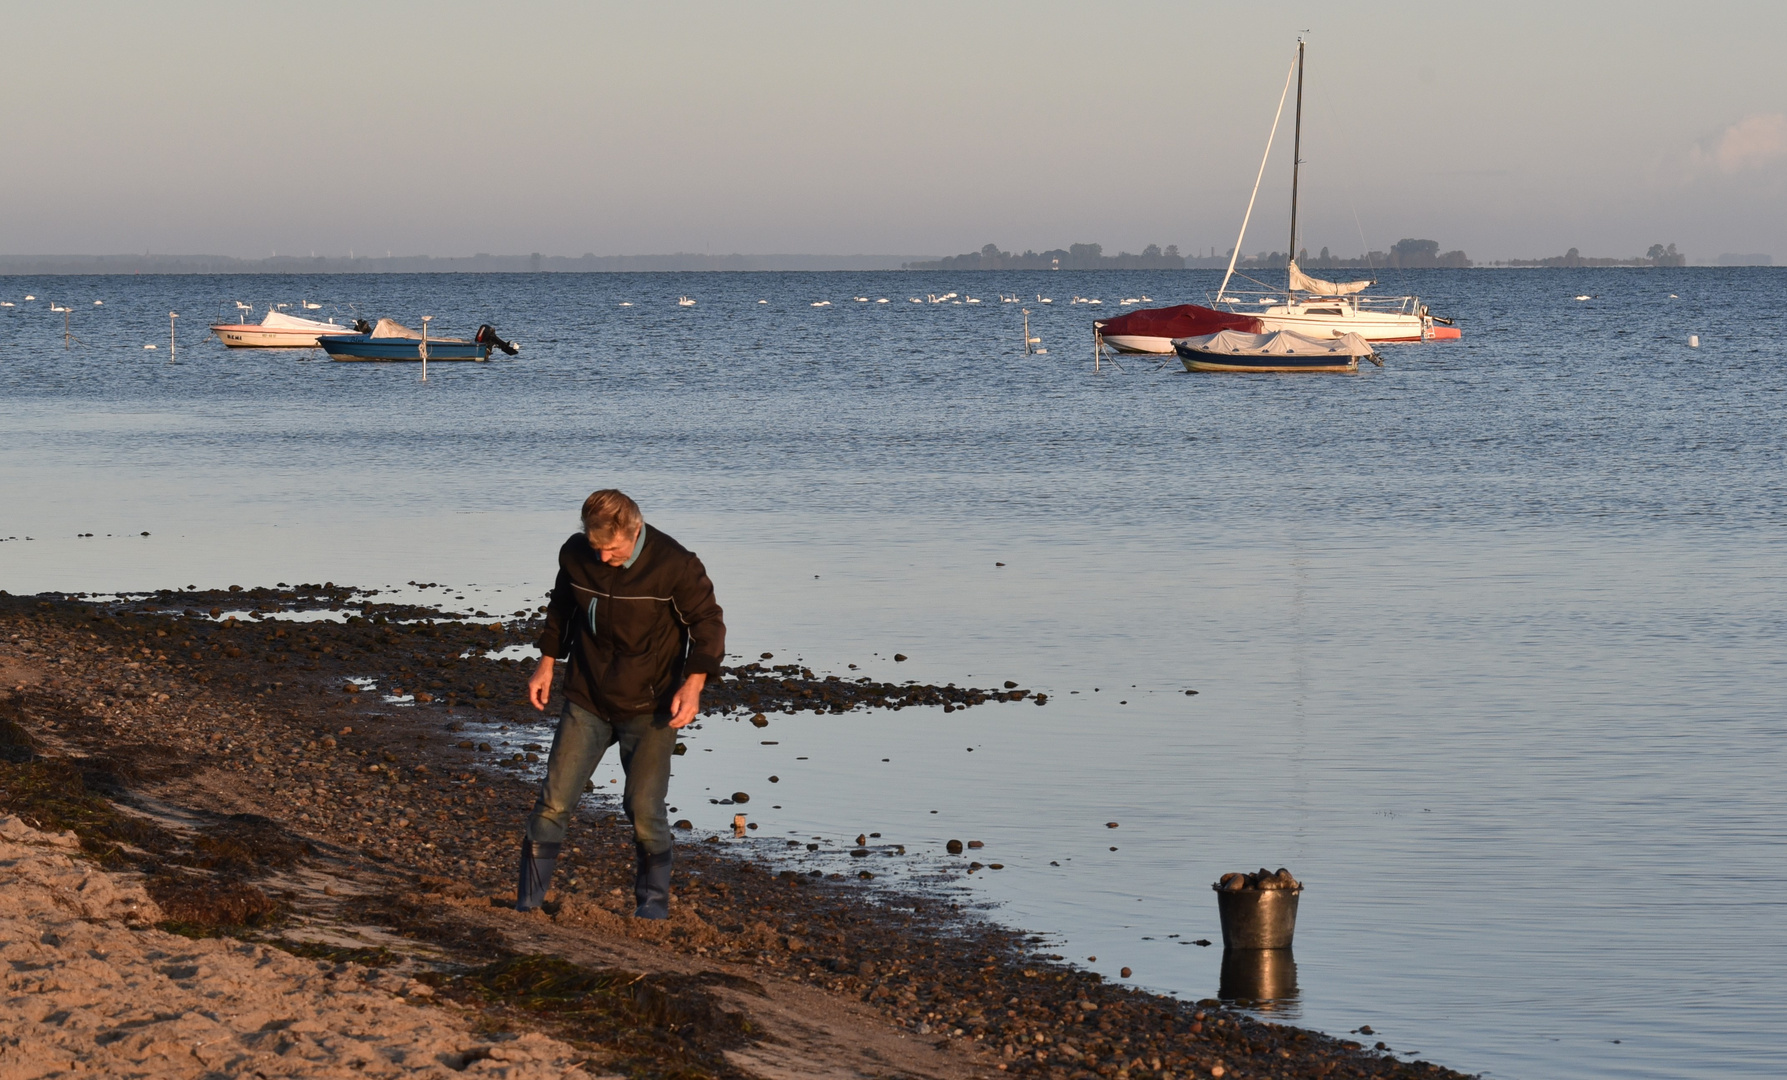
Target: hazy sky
(911,127)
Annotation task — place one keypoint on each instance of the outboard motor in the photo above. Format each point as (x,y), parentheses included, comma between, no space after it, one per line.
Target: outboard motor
(486,335)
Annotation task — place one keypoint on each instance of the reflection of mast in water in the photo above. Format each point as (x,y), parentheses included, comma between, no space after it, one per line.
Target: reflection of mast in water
(1297,791)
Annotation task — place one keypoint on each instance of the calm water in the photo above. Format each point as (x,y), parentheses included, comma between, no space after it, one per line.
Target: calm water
(1488,642)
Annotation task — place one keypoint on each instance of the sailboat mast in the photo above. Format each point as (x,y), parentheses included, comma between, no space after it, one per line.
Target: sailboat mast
(1222,291)
(1296,157)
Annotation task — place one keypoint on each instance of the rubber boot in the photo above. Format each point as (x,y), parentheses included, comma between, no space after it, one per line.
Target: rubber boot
(537,863)
(651,883)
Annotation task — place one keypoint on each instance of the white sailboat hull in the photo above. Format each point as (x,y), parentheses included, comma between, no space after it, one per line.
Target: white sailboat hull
(1333,320)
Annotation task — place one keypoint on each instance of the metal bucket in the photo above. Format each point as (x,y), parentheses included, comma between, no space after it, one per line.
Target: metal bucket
(1258,918)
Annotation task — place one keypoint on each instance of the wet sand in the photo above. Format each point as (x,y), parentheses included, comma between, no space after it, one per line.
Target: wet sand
(235,769)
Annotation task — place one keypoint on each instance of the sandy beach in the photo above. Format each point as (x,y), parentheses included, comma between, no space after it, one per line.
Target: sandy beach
(221,857)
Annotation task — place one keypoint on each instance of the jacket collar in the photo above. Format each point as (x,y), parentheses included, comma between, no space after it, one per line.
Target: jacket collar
(637,548)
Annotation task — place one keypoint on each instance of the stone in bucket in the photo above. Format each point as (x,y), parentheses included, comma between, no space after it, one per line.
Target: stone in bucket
(1259,910)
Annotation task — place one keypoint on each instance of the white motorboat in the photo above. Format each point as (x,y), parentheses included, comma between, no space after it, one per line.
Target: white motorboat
(278,331)
(1327,308)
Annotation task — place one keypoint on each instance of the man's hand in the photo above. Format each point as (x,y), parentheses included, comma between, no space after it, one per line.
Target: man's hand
(539,688)
(687,700)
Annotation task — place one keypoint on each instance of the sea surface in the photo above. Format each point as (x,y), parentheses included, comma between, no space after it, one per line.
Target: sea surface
(1487,643)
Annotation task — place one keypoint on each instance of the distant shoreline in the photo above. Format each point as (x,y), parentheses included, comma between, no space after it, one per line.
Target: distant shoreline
(224,266)
(679,262)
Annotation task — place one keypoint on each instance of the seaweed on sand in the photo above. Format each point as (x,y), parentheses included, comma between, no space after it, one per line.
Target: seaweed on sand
(248,845)
(649,1026)
(52,794)
(207,907)
(372,957)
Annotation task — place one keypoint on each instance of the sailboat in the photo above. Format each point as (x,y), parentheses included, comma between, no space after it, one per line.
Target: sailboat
(1327,308)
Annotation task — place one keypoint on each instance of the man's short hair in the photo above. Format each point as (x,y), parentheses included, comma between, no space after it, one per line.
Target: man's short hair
(608,513)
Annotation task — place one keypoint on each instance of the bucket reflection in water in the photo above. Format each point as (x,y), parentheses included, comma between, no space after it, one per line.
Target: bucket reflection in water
(1263,979)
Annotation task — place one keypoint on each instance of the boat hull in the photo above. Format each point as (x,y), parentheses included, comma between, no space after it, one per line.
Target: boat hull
(1371,325)
(1210,362)
(1138,343)
(360,347)
(249,336)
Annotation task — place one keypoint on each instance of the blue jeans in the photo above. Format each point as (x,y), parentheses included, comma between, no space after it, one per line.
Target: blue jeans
(647,743)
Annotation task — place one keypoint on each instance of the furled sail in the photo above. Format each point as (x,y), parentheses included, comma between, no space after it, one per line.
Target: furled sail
(1302,282)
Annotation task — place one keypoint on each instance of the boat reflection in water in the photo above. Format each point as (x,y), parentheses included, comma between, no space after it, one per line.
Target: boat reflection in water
(1264,980)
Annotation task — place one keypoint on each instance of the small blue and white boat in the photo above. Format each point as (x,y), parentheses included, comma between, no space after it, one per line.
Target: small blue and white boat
(391,340)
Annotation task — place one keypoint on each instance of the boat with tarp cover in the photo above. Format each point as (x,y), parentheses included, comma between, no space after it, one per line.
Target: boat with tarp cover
(1280,350)
(1153,330)
(391,340)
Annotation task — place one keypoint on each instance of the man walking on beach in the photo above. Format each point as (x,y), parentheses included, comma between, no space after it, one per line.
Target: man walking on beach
(634,613)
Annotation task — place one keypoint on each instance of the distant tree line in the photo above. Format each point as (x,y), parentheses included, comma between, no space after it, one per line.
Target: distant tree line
(1658,255)
(481,263)
(1072,257)
(1406,254)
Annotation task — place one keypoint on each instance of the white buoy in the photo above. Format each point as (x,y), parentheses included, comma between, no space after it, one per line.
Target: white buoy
(1693,341)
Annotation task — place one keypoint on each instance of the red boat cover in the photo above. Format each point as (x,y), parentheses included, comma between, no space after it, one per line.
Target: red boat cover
(1186,320)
